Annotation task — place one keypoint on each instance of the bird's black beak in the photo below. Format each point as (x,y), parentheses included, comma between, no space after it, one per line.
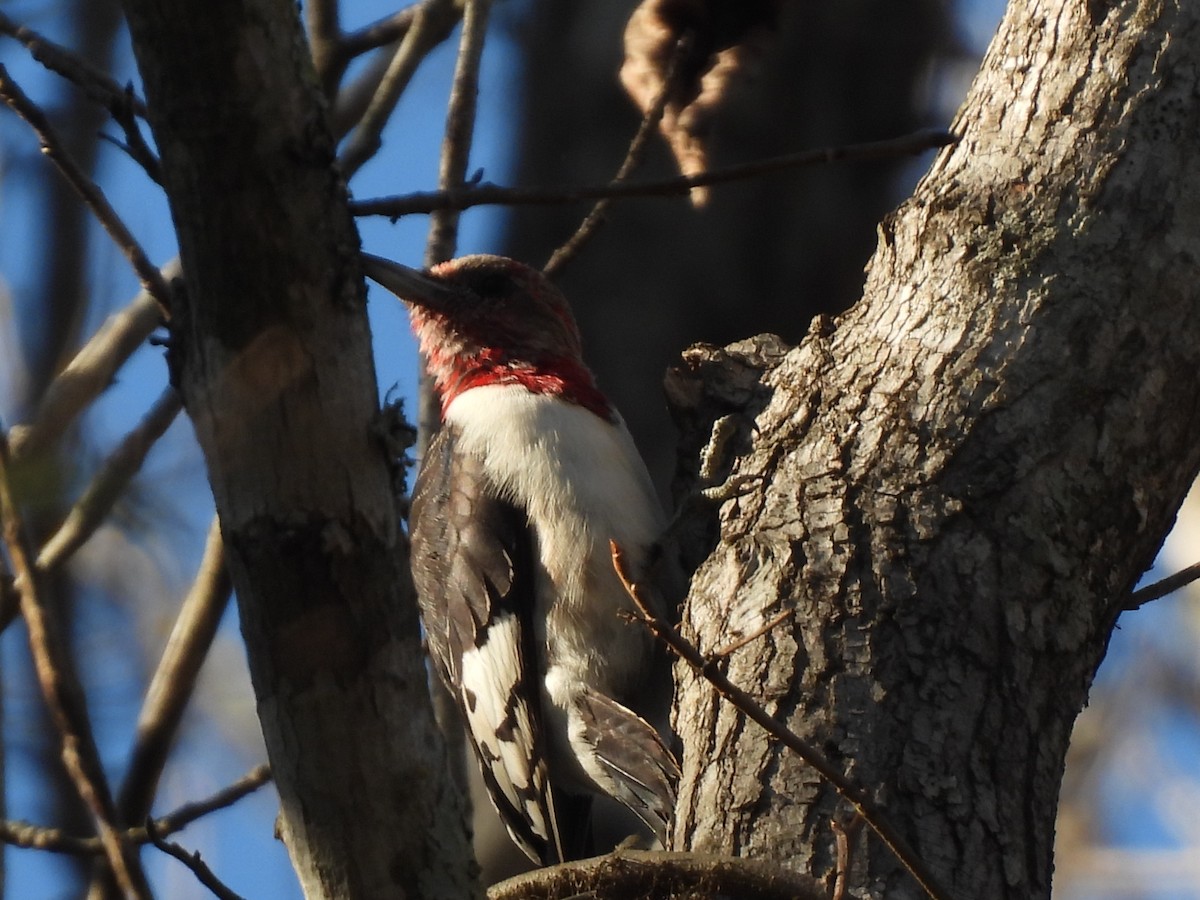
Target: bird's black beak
(408,284)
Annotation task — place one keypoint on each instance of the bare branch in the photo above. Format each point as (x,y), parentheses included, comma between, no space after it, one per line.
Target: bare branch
(633,158)
(452,169)
(656,874)
(750,707)
(1162,588)
(380,33)
(485,194)
(190,812)
(428,29)
(106,487)
(147,273)
(844,836)
(54,840)
(352,101)
(193,861)
(460,126)
(175,679)
(63,694)
(770,625)
(122,103)
(91,371)
(125,115)
(324,38)
(96,83)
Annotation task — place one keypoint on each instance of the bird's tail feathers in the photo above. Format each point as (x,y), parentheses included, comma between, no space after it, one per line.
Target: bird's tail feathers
(629,761)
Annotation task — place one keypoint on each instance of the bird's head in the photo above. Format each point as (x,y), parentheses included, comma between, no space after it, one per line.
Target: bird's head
(492,320)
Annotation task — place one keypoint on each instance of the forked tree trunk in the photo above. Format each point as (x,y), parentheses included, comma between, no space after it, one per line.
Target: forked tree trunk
(956,483)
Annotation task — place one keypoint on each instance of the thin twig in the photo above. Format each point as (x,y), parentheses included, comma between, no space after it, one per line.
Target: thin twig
(442,242)
(55,840)
(460,126)
(90,373)
(193,861)
(62,693)
(1160,589)
(844,836)
(745,639)
(125,115)
(109,483)
(633,158)
(175,679)
(352,100)
(425,33)
(177,819)
(147,273)
(95,82)
(379,33)
(121,102)
(748,706)
(485,194)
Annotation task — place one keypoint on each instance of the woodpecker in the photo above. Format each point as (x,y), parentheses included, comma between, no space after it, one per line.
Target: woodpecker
(531,475)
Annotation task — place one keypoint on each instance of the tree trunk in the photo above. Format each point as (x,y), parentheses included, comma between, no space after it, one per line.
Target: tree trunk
(956,483)
(270,349)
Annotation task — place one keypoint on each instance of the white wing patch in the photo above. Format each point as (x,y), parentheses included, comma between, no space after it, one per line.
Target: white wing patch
(499,720)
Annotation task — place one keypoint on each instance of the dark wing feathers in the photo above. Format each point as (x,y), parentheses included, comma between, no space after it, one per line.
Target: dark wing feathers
(473,567)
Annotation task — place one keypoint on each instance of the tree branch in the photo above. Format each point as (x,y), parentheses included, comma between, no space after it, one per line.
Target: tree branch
(492,195)
(95,82)
(380,33)
(1162,588)
(109,482)
(426,31)
(460,126)
(87,189)
(657,874)
(633,158)
(175,679)
(324,38)
(54,840)
(439,15)
(62,693)
(193,861)
(90,373)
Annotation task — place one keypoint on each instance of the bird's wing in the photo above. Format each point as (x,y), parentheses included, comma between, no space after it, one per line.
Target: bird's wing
(474,572)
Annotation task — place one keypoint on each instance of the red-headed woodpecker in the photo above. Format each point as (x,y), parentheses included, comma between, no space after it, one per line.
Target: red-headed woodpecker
(531,475)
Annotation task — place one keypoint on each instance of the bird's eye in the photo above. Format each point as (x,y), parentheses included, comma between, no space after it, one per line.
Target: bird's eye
(491,284)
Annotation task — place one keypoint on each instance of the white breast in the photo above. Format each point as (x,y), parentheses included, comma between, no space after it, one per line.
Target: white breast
(582,483)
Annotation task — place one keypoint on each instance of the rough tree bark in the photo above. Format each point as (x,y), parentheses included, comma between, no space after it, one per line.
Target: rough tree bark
(956,483)
(270,349)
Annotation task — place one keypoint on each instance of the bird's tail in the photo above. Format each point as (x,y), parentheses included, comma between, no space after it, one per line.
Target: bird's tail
(629,761)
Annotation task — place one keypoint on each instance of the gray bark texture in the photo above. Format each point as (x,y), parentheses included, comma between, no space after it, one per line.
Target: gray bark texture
(270,350)
(955,483)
